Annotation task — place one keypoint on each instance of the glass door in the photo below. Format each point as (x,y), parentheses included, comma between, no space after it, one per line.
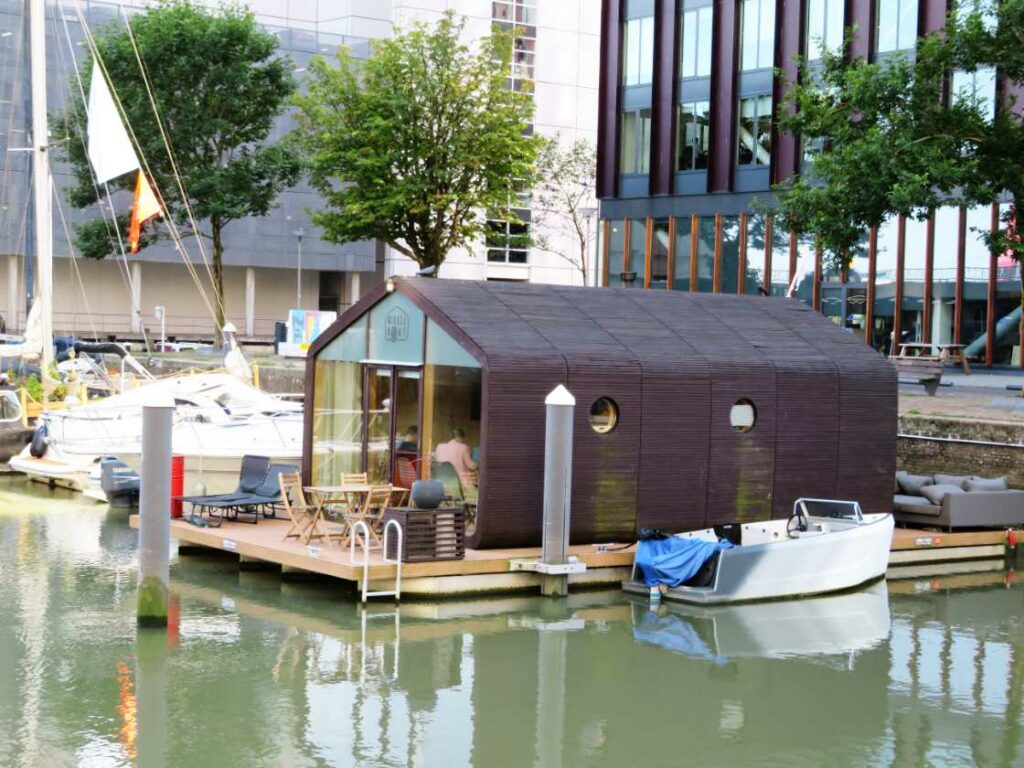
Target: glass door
(378,423)
(392,424)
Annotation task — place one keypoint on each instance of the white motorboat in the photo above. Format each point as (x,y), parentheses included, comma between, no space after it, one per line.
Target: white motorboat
(218,420)
(840,624)
(825,546)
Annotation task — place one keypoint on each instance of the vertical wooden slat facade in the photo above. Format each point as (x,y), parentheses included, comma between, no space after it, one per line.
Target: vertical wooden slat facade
(675,364)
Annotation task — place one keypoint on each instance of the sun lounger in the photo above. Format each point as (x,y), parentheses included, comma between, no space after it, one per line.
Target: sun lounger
(252,476)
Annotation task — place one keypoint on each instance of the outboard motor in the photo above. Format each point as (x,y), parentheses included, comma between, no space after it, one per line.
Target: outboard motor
(119,482)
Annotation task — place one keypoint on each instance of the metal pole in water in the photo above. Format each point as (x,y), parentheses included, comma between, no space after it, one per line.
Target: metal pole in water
(155,515)
(557,488)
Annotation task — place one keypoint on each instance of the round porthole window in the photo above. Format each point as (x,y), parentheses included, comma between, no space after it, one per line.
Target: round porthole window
(743,416)
(604,415)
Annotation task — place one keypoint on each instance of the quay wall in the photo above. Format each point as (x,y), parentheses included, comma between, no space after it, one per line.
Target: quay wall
(961,447)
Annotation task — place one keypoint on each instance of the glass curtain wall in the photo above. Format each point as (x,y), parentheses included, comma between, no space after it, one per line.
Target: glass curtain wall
(912,309)
(824,26)
(974,314)
(755,281)
(681,269)
(780,260)
(659,254)
(947,238)
(897,25)
(1008,304)
(637,248)
(616,243)
(730,267)
(338,407)
(706,254)
(885,287)
(757,40)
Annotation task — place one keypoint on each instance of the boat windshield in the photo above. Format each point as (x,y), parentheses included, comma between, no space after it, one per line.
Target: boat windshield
(837,510)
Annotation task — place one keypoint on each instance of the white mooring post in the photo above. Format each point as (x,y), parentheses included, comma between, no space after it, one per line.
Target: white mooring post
(155,515)
(557,488)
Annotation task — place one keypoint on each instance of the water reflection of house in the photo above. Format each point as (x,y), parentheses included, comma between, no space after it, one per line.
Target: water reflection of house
(692,409)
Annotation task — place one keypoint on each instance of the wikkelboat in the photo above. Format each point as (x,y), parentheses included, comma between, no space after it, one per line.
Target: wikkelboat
(825,546)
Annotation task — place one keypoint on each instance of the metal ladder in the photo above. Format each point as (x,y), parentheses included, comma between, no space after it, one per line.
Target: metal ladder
(397,562)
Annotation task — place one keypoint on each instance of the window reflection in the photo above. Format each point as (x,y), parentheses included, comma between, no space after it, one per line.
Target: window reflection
(754,137)
(897,25)
(757,43)
(681,271)
(694,136)
(616,243)
(635,141)
(824,26)
(638,51)
(695,50)
(659,254)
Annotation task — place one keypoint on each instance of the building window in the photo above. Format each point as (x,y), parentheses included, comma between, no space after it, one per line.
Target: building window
(635,141)
(604,415)
(824,26)
(979,88)
(638,52)
(695,56)
(508,239)
(757,44)
(897,25)
(515,11)
(754,137)
(693,139)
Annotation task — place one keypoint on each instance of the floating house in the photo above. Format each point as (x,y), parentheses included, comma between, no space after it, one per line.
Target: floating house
(692,409)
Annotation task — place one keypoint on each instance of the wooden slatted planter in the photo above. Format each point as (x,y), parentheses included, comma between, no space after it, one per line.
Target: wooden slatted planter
(428,534)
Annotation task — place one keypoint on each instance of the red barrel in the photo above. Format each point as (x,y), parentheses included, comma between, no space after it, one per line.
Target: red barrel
(177,484)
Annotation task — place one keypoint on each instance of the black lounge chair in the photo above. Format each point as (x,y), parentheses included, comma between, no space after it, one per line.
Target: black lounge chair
(252,475)
(263,500)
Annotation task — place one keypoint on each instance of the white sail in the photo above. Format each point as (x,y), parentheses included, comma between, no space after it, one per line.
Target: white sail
(110,150)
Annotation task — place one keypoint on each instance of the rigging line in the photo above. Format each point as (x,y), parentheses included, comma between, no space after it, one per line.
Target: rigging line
(136,309)
(170,154)
(110,225)
(171,224)
(172,227)
(74,266)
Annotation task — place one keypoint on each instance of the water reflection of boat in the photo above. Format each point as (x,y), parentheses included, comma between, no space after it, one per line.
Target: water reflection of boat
(837,624)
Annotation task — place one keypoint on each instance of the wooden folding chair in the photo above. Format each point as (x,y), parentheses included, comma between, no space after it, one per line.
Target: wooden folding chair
(303,516)
(372,512)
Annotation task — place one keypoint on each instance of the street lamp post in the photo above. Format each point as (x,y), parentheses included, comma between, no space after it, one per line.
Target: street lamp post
(588,214)
(298,277)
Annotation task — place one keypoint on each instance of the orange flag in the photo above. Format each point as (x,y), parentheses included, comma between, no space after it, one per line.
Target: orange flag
(144,208)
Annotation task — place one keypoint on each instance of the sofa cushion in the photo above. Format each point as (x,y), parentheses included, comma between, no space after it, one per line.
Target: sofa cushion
(957,480)
(936,493)
(912,484)
(917,505)
(986,484)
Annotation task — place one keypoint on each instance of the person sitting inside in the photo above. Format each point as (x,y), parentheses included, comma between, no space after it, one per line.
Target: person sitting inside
(457,453)
(410,440)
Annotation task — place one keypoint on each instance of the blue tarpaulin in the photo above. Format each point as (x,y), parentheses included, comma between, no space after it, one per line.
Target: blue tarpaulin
(673,560)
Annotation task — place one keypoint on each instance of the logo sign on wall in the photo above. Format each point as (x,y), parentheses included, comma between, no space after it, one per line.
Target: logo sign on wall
(396,325)
(305,325)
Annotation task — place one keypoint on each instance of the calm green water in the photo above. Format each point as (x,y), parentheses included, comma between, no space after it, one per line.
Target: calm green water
(265,673)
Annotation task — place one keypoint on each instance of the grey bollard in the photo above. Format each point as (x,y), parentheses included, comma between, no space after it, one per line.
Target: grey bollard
(155,515)
(557,487)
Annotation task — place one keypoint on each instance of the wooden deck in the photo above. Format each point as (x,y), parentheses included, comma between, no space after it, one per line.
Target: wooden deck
(490,570)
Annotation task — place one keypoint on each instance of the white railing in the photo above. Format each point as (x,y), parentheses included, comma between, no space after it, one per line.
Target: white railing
(360,525)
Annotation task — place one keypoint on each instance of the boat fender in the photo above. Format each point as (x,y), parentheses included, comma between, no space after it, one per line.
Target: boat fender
(40,440)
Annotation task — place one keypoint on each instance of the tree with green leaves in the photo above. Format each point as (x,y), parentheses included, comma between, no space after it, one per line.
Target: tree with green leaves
(563,201)
(218,84)
(418,144)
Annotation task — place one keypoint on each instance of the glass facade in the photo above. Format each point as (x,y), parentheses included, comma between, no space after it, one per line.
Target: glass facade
(616,243)
(757,38)
(754,134)
(681,265)
(694,136)
(824,26)
(729,268)
(388,393)
(695,48)
(635,141)
(659,253)
(638,51)
(635,258)
(896,25)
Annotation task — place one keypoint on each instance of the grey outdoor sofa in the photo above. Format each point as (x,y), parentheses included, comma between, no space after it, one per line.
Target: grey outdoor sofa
(952,502)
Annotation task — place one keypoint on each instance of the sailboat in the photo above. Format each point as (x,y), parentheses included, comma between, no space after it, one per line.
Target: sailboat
(220,417)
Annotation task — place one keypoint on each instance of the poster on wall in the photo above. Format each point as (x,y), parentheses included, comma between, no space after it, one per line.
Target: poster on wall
(304,325)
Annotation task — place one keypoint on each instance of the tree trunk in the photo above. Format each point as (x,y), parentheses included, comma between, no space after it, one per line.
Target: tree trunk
(218,280)
(583,261)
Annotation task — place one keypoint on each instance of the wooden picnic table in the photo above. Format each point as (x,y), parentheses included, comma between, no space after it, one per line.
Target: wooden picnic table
(947,353)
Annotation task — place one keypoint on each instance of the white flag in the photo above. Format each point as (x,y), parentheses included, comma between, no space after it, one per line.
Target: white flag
(110,149)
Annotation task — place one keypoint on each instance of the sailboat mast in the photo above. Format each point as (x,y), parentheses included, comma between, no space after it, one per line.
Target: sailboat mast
(42,184)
